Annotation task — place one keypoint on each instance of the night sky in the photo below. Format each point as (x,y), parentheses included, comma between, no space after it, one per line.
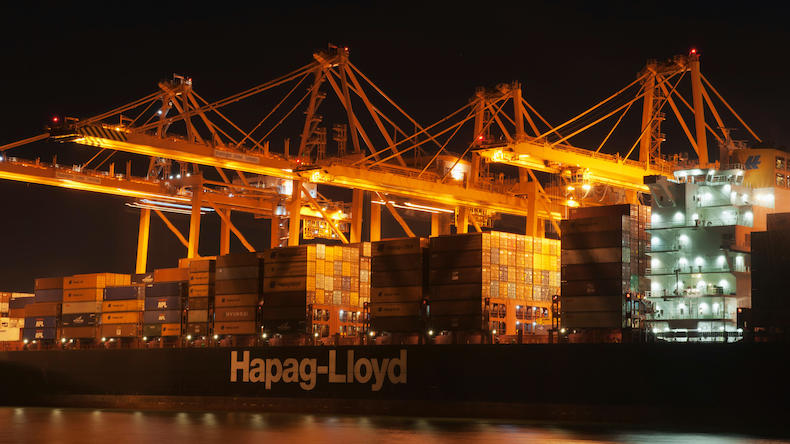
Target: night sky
(59,59)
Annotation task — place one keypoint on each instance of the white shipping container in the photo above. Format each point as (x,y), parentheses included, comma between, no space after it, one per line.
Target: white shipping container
(82,307)
(9,334)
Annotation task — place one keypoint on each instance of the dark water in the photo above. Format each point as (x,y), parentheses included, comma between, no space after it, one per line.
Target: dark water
(46,425)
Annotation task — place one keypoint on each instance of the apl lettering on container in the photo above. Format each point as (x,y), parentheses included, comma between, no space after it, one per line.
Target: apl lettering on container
(305,371)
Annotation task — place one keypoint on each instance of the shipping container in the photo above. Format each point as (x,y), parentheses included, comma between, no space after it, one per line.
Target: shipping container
(51,295)
(81,307)
(78,332)
(457,307)
(283,284)
(237,300)
(126,317)
(593,319)
(142,278)
(458,322)
(163,275)
(234,273)
(201,278)
(198,329)
(286,299)
(42,309)
(384,309)
(165,289)
(83,294)
(235,328)
(397,294)
(120,330)
(285,313)
(223,314)
(10,334)
(612,303)
(197,316)
(41,322)
(35,334)
(202,264)
(201,291)
(124,293)
(164,303)
(79,319)
(237,286)
(127,305)
(20,302)
(237,260)
(198,303)
(48,283)
(162,317)
(595,287)
(396,247)
(95,280)
(156,330)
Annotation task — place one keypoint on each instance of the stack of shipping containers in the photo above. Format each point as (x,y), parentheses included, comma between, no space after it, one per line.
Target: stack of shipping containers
(604,261)
(313,289)
(122,311)
(164,302)
(200,303)
(399,283)
(42,315)
(82,303)
(494,281)
(238,294)
(12,315)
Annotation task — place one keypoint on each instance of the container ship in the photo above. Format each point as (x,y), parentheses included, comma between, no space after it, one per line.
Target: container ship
(634,291)
(445,326)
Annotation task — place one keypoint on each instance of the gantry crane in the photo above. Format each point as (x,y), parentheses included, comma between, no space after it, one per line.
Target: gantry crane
(393,165)
(550,151)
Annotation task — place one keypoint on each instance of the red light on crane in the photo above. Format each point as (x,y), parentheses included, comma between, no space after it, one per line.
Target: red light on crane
(693,50)
(480,138)
(55,119)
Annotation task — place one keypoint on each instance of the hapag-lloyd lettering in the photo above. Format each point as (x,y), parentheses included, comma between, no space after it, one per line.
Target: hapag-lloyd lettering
(305,371)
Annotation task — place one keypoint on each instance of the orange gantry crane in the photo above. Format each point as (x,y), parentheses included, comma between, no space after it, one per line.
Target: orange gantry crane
(199,160)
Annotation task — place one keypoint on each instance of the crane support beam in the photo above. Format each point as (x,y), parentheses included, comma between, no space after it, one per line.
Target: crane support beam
(294,221)
(375,222)
(462,221)
(326,216)
(172,228)
(224,236)
(194,224)
(142,240)
(603,168)
(397,217)
(350,177)
(226,218)
(357,213)
(699,110)
(274,232)
(444,194)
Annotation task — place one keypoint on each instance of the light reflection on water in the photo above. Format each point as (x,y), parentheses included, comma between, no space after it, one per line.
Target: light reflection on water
(46,425)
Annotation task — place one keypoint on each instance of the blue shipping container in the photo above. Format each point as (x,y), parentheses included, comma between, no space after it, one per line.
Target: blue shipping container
(162,317)
(79,319)
(41,322)
(164,289)
(166,303)
(32,334)
(20,302)
(123,293)
(53,295)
